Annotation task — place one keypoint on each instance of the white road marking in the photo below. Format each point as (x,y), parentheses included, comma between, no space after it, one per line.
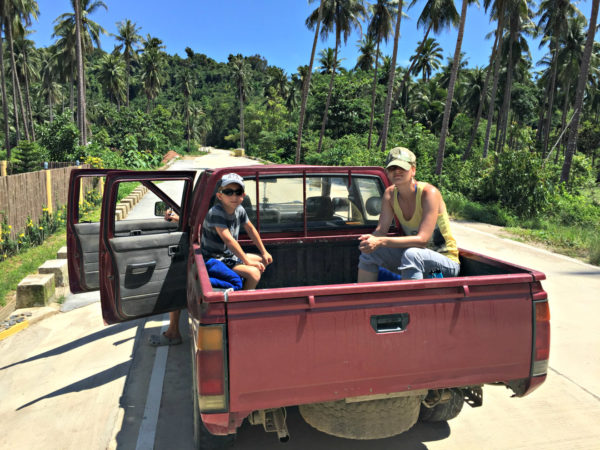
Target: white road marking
(147,431)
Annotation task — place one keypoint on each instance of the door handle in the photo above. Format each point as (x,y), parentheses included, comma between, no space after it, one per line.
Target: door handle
(390,323)
(139,268)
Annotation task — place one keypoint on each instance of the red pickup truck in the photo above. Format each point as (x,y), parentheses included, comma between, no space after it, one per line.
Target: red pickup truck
(361,360)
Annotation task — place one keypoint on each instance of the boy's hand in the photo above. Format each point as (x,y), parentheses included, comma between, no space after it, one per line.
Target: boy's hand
(260,266)
(267,258)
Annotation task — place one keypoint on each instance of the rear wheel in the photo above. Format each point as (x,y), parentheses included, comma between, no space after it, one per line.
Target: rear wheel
(373,419)
(444,411)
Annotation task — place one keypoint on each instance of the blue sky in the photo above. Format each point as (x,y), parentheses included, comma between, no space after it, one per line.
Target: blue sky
(272,28)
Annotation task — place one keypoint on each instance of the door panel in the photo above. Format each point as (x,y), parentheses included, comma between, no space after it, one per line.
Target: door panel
(151,271)
(143,262)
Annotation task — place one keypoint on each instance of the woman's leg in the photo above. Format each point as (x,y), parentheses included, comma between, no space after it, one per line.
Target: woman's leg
(418,263)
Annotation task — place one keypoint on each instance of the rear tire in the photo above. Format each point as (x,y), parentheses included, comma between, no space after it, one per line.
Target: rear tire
(444,411)
(373,419)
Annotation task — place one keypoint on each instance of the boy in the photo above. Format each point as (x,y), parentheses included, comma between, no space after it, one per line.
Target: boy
(218,240)
(220,232)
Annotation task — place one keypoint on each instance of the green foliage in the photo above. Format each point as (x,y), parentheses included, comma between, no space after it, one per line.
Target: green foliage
(33,234)
(27,157)
(517,181)
(60,139)
(460,206)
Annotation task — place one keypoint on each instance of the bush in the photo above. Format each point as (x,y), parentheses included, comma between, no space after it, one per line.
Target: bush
(27,157)
(60,139)
(518,183)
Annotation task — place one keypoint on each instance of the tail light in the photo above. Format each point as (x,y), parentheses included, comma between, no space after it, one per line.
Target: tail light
(541,337)
(211,359)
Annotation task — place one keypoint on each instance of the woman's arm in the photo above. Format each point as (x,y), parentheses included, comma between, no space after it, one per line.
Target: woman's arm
(430,201)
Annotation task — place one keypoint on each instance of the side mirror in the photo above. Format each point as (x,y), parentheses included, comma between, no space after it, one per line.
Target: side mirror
(160,208)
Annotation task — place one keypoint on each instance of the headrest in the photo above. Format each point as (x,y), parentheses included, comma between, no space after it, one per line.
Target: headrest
(319,208)
(373,206)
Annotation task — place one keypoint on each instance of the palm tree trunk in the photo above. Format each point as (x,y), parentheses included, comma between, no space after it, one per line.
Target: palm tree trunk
(4,98)
(51,106)
(551,92)
(242,131)
(374,93)
(446,120)
(390,89)
(17,98)
(492,105)
(581,82)
(564,117)
(81,105)
(503,122)
(327,103)
(306,86)
(482,98)
(28,97)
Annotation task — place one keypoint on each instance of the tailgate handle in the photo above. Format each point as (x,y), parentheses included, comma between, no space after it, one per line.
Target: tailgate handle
(390,323)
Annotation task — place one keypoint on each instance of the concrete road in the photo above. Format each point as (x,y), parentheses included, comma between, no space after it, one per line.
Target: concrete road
(70,382)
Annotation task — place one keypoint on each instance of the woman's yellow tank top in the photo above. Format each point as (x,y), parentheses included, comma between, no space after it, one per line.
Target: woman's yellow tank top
(441,240)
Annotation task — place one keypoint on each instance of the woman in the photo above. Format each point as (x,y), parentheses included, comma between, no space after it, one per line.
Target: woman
(427,248)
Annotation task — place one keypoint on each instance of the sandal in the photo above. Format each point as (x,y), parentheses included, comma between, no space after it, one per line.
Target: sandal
(157,340)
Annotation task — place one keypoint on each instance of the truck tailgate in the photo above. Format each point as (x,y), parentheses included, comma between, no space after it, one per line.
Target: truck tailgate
(321,343)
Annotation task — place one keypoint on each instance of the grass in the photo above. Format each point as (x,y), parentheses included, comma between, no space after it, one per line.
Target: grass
(17,267)
(581,242)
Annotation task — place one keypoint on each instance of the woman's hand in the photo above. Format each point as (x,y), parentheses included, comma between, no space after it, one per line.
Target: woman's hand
(369,243)
(171,215)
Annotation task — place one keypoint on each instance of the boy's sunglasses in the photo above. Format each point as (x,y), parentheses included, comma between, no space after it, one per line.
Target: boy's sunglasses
(230,192)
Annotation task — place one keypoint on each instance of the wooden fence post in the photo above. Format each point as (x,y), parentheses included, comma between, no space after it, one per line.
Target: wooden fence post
(49,190)
(3,165)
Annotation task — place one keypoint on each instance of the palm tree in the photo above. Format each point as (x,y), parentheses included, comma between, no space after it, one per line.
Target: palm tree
(328,62)
(78,35)
(449,98)
(3,82)
(498,10)
(152,64)
(366,54)
(437,15)
(581,82)
(519,21)
(390,88)
(340,17)
(554,15)
(186,83)
(306,80)
(380,28)
(17,12)
(569,60)
(241,75)
(27,69)
(111,74)
(48,75)
(129,39)
(428,59)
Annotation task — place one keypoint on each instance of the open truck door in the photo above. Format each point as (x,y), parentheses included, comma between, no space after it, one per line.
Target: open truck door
(139,263)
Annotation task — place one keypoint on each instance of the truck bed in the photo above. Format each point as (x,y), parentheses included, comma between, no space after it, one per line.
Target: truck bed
(311,334)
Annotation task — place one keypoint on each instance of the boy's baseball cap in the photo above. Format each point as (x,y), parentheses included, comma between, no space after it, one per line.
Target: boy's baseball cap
(401,157)
(230,178)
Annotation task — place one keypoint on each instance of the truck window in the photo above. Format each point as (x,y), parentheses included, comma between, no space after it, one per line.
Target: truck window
(277,203)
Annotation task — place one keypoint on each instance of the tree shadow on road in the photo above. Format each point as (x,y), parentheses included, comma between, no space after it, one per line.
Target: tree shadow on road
(107,331)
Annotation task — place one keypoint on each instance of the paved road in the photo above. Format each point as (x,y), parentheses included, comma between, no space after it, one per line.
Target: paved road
(71,382)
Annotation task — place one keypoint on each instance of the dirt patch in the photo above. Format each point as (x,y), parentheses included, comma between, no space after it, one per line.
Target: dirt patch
(169,156)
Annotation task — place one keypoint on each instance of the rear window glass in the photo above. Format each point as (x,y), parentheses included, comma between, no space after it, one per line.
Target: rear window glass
(332,201)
